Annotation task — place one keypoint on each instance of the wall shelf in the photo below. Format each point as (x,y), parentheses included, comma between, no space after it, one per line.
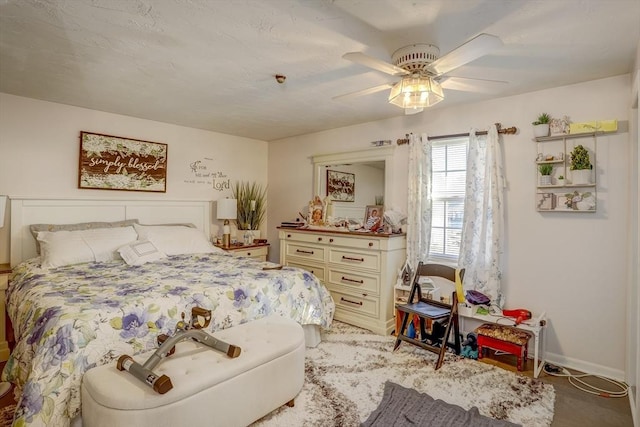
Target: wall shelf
(569,196)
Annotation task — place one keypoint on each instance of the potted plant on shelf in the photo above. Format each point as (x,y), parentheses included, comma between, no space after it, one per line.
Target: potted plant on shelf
(560,180)
(545,170)
(580,165)
(541,126)
(252,205)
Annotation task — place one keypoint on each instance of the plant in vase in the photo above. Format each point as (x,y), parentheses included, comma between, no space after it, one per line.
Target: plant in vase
(580,165)
(545,170)
(541,125)
(560,180)
(252,205)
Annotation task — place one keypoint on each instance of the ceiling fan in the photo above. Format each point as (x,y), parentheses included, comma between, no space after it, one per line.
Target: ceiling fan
(423,72)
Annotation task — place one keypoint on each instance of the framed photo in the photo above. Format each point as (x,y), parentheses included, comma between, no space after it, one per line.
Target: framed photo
(373,218)
(341,186)
(115,163)
(317,212)
(546,201)
(559,126)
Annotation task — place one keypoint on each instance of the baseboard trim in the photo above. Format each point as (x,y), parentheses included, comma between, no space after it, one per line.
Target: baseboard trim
(584,366)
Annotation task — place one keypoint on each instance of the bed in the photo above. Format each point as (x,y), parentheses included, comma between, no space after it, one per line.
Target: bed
(72,316)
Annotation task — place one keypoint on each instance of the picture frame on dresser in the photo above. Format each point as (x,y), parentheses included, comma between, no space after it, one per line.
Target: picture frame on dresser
(317,211)
(373,217)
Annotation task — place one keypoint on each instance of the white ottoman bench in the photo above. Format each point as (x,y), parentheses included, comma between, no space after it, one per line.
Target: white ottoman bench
(209,389)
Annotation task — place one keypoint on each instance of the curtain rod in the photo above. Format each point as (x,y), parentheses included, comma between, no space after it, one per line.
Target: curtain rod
(507,131)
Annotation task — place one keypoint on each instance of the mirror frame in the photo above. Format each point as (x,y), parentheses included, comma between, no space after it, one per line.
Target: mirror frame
(321,161)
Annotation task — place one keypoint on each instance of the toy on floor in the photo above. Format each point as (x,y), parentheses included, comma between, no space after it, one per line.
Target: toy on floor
(184,331)
(470,346)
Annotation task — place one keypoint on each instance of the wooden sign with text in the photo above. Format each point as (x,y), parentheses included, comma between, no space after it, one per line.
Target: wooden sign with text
(114,163)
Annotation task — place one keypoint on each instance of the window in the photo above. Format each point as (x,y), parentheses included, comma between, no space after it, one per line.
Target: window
(449,172)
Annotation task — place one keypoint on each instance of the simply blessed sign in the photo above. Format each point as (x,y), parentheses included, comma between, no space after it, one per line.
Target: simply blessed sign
(114,163)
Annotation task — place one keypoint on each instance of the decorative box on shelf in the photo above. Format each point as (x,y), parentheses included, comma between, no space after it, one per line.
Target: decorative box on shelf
(594,126)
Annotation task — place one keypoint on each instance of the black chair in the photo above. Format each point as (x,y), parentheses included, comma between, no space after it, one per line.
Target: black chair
(443,317)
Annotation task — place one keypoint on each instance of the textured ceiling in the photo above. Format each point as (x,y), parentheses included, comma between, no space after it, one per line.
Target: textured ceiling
(210,64)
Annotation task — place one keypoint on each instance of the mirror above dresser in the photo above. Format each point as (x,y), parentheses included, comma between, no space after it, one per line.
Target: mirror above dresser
(366,175)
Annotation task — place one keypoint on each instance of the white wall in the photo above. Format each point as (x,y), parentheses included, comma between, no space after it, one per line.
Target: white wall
(39,154)
(573,266)
(633,304)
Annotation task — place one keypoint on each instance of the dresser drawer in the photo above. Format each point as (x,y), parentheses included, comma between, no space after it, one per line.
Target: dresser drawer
(256,252)
(304,251)
(306,238)
(369,261)
(358,282)
(354,242)
(362,305)
(319,272)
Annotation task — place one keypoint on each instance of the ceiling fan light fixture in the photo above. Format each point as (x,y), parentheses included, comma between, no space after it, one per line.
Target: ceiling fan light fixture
(416,92)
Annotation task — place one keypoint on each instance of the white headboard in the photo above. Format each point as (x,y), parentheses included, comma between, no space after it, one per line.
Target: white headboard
(25,212)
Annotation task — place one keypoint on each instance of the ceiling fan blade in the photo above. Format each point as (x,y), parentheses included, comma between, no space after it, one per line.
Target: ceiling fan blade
(478,46)
(375,63)
(364,91)
(467,84)
(410,111)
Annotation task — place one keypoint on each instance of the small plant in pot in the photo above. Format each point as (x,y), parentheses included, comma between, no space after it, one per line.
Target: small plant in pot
(580,165)
(545,173)
(541,125)
(560,180)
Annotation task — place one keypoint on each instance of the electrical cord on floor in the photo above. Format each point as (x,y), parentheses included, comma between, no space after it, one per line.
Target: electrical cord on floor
(576,381)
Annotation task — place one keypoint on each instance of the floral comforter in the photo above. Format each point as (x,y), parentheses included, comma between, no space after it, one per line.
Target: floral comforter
(73,318)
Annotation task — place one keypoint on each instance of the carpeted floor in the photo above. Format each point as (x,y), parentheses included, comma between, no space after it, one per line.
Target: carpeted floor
(346,373)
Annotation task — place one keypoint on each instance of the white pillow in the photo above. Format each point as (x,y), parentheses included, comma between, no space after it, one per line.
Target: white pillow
(175,239)
(60,248)
(140,252)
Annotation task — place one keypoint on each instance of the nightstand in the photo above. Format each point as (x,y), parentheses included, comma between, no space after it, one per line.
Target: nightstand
(251,251)
(5,270)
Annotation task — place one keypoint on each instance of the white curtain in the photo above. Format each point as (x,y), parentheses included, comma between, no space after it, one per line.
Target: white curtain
(483,224)
(419,200)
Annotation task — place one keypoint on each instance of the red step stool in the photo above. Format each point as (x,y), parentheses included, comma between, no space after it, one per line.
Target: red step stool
(504,338)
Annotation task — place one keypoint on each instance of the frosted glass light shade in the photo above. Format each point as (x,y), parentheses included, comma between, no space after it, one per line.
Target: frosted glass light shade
(227,209)
(416,92)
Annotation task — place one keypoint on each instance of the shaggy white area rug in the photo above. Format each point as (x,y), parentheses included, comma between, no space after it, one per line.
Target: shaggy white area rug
(346,372)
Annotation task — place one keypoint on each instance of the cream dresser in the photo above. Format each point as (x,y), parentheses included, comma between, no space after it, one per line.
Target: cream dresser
(360,270)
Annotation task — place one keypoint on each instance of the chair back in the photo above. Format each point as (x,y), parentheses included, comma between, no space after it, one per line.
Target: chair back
(437,270)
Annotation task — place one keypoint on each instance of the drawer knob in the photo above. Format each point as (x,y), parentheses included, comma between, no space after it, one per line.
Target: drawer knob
(346,279)
(351,302)
(330,240)
(319,239)
(348,258)
(248,253)
(370,244)
(288,236)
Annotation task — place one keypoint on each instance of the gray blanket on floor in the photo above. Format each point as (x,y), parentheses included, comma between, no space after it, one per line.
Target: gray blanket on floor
(403,407)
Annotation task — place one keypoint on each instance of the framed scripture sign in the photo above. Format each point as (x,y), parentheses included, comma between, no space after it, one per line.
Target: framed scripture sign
(114,163)
(341,186)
